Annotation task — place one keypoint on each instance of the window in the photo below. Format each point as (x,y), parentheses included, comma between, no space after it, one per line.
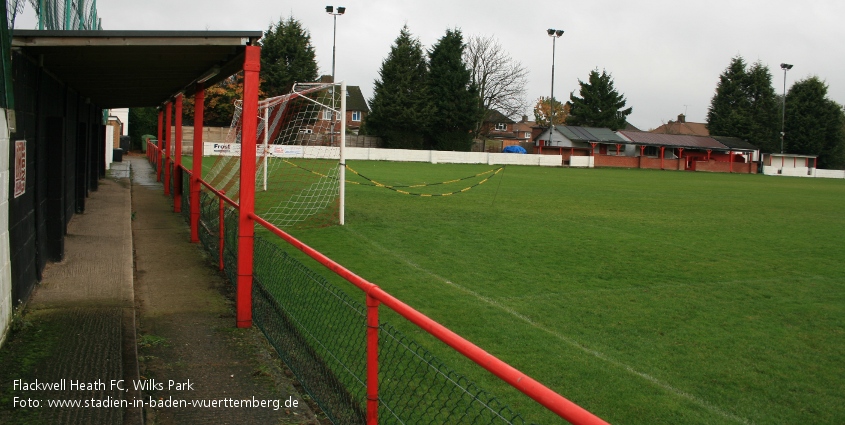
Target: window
(652,151)
(356,115)
(500,126)
(527,134)
(327,114)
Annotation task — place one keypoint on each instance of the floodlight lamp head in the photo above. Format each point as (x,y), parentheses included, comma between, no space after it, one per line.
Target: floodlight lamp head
(341,10)
(785,66)
(559,33)
(329,9)
(551,32)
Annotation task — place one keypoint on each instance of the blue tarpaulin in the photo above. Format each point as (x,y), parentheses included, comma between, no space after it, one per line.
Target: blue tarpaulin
(514,149)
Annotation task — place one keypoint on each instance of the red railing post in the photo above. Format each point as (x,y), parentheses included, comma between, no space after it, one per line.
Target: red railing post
(246,224)
(196,165)
(167,146)
(177,151)
(160,141)
(372,360)
(221,228)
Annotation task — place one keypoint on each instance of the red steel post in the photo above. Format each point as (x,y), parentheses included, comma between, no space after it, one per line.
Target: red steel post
(246,224)
(177,178)
(221,230)
(160,142)
(196,165)
(167,146)
(662,148)
(372,360)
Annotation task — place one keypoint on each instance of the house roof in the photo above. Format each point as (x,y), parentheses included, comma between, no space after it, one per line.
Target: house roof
(685,128)
(136,68)
(735,143)
(589,134)
(355,99)
(673,140)
(524,125)
(495,116)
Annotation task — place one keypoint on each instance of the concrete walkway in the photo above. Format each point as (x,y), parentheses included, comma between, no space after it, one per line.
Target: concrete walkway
(149,341)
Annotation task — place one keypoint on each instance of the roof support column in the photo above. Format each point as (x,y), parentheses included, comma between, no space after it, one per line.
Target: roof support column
(177,151)
(196,164)
(731,159)
(246,222)
(662,149)
(168,115)
(160,144)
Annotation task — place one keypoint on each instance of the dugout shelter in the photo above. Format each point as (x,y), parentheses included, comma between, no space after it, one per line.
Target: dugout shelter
(62,83)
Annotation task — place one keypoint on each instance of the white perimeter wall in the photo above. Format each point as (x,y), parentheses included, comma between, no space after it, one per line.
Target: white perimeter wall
(803,172)
(5,259)
(397,155)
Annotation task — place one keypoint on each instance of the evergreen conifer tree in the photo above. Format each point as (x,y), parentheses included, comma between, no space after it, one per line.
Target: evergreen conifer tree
(287,57)
(400,110)
(815,124)
(599,105)
(745,106)
(454,98)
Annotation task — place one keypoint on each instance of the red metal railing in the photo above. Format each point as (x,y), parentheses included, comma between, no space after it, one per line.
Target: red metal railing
(375,296)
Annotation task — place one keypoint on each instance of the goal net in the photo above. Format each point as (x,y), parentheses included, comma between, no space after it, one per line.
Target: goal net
(299,147)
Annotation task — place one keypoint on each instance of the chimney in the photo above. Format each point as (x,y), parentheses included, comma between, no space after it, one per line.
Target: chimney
(682,118)
(524,118)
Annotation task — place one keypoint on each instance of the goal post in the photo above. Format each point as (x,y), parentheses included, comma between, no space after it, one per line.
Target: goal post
(300,160)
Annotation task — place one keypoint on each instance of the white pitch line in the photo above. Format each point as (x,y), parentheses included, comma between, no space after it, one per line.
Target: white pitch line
(576,344)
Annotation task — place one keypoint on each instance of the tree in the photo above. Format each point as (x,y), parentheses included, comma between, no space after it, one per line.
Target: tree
(400,110)
(142,121)
(814,124)
(542,111)
(599,105)
(500,79)
(219,102)
(454,98)
(745,106)
(287,57)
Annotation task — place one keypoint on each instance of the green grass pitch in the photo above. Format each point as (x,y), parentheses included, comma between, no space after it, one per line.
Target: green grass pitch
(644,296)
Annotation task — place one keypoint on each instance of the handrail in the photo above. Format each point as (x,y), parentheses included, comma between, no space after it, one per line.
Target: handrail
(219,194)
(551,400)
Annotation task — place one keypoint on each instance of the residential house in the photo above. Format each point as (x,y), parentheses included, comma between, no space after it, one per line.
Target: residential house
(356,108)
(681,126)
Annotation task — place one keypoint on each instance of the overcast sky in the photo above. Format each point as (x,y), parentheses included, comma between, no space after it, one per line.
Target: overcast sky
(665,56)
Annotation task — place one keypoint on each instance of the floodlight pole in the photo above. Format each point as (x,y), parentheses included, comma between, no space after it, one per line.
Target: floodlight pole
(554,34)
(785,67)
(335,13)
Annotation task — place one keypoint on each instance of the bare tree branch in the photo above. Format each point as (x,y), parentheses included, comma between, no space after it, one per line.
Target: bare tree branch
(500,79)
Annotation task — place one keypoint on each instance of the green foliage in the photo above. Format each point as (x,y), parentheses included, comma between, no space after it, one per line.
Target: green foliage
(543,111)
(219,102)
(287,56)
(745,106)
(815,124)
(599,105)
(454,98)
(142,121)
(400,110)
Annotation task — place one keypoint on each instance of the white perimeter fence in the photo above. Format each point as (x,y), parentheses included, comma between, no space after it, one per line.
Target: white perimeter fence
(398,155)
(803,172)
